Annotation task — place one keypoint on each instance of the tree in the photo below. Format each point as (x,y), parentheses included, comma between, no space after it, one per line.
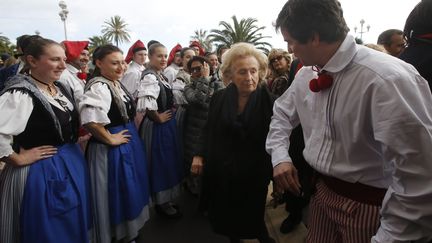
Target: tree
(115,30)
(6,46)
(202,37)
(244,31)
(96,41)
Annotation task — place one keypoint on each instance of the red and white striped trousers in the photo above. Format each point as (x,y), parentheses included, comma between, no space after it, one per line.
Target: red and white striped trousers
(337,219)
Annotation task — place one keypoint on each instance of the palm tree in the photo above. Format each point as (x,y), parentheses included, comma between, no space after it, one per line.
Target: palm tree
(115,30)
(96,41)
(244,31)
(202,37)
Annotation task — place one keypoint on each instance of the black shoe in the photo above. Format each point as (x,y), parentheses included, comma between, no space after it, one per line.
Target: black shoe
(289,224)
(160,211)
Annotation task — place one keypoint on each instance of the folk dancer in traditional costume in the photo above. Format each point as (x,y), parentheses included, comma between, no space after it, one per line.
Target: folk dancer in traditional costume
(118,165)
(44,190)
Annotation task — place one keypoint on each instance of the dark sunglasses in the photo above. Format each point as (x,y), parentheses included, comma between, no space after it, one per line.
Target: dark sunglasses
(278,58)
(195,70)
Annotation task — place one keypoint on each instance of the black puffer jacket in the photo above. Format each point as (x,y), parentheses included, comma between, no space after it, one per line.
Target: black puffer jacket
(198,94)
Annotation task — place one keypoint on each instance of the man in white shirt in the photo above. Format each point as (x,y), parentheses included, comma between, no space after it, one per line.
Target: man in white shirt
(174,64)
(75,74)
(366,119)
(136,57)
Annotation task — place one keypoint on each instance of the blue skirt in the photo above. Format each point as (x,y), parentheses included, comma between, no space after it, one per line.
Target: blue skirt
(128,185)
(166,167)
(56,203)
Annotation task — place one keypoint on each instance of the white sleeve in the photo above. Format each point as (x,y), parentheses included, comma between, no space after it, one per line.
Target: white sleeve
(401,118)
(170,73)
(148,92)
(130,81)
(96,104)
(68,80)
(19,106)
(178,84)
(284,120)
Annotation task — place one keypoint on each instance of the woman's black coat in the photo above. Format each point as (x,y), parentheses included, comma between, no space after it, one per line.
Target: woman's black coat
(237,169)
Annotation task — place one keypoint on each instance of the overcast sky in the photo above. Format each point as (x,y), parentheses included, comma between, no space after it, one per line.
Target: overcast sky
(172,22)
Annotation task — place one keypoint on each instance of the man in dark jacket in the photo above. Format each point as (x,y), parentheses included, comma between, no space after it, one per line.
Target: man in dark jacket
(418,32)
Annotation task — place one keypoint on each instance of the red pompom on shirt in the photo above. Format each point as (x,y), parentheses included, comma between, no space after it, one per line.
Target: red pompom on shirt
(82,76)
(324,81)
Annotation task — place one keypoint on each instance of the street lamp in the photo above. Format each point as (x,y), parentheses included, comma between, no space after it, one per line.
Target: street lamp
(362,22)
(63,15)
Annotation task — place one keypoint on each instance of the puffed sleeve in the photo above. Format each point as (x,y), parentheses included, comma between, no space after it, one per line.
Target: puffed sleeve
(20,106)
(148,91)
(95,104)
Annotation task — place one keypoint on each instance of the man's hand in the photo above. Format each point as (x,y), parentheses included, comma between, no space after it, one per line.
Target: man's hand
(286,178)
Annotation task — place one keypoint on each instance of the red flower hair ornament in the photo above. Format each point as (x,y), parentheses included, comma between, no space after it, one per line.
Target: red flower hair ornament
(324,81)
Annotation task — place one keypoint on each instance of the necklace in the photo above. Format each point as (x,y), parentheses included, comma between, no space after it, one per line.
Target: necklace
(51,88)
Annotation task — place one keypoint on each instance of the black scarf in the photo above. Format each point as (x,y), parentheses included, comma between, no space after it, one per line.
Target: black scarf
(253,115)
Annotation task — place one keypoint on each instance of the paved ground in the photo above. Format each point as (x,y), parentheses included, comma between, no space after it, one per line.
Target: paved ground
(193,227)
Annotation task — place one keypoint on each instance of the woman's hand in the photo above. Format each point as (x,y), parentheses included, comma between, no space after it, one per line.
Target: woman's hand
(29,156)
(160,117)
(197,165)
(164,116)
(119,138)
(205,72)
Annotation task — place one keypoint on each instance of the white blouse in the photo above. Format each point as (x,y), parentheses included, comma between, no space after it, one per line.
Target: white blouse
(132,78)
(96,104)
(148,92)
(70,79)
(19,106)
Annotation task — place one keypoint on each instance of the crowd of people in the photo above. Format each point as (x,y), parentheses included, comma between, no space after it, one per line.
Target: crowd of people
(93,141)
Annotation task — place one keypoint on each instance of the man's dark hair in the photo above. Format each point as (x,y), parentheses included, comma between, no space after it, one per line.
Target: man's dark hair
(419,21)
(304,18)
(385,37)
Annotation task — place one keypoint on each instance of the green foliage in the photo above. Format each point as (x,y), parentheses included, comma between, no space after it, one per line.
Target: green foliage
(244,31)
(205,40)
(6,46)
(115,30)
(96,41)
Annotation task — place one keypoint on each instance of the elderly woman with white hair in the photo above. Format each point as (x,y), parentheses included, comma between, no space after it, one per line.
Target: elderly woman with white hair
(237,169)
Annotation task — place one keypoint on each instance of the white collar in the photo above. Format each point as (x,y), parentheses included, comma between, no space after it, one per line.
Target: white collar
(343,56)
(71,68)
